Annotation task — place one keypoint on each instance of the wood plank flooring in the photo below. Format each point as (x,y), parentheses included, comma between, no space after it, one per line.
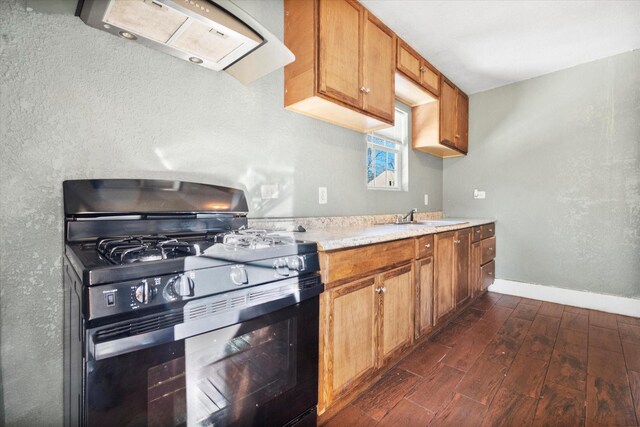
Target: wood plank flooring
(509,361)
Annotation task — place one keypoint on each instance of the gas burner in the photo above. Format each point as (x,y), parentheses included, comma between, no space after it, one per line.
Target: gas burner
(127,250)
(255,239)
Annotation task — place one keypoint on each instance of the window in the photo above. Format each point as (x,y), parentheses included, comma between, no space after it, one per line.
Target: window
(386,149)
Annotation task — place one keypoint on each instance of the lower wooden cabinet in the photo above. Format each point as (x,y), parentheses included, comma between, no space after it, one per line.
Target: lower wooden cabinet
(396,312)
(381,298)
(368,323)
(462,244)
(424,296)
(451,287)
(483,252)
(351,335)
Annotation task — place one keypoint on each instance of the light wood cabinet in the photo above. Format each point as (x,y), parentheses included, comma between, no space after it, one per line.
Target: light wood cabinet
(345,64)
(483,258)
(462,244)
(396,312)
(351,336)
(451,278)
(441,127)
(424,296)
(367,314)
(416,68)
(444,276)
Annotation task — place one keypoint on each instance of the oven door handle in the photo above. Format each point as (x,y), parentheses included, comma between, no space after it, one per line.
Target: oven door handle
(104,350)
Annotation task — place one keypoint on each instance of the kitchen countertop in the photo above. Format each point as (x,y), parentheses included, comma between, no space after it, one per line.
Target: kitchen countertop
(330,239)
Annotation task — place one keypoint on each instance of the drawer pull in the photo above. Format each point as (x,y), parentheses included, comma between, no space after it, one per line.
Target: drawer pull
(428,245)
(456,241)
(490,274)
(381,290)
(491,230)
(490,249)
(478,231)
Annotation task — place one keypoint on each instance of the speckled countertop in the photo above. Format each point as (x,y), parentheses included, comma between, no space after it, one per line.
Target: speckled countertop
(346,237)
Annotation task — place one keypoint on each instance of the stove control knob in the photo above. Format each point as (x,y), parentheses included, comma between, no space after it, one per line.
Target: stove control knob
(142,293)
(182,286)
(281,267)
(296,263)
(239,275)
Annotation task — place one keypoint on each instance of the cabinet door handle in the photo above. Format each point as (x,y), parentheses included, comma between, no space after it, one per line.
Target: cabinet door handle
(384,290)
(490,249)
(428,245)
(491,230)
(423,69)
(363,89)
(456,241)
(478,231)
(490,274)
(367,90)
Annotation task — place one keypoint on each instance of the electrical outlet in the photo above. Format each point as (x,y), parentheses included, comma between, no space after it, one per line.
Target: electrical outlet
(322,195)
(269,191)
(426,199)
(477,194)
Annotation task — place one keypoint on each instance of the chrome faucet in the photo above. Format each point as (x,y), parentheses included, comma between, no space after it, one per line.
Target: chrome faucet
(409,217)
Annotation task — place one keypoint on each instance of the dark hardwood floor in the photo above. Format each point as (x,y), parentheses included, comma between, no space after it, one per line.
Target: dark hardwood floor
(509,361)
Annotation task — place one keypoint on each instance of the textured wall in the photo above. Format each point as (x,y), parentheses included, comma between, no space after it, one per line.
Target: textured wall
(79,103)
(559,158)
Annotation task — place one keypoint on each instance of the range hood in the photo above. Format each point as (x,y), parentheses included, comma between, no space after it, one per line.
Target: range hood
(215,34)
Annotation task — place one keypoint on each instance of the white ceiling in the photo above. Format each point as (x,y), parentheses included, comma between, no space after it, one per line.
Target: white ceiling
(481,45)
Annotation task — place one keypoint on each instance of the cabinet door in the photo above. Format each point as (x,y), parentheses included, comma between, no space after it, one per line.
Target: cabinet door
(462,254)
(429,78)
(378,68)
(462,122)
(443,291)
(424,296)
(447,113)
(396,313)
(352,331)
(408,62)
(476,284)
(340,28)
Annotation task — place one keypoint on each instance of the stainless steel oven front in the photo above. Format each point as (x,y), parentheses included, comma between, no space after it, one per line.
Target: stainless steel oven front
(165,370)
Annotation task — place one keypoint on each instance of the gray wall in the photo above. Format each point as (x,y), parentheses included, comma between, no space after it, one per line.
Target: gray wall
(559,158)
(79,103)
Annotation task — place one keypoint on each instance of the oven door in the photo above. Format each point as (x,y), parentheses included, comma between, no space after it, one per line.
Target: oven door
(260,371)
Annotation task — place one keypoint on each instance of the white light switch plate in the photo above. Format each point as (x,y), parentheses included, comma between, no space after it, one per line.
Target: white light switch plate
(322,195)
(426,199)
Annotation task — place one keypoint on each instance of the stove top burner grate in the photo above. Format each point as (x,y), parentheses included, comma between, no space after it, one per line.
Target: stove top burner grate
(133,249)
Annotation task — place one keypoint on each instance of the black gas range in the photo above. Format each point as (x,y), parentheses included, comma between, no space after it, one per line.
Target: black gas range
(177,314)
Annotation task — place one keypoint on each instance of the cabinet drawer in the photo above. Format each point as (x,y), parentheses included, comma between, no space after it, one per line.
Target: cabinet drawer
(488,272)
(476,234)
(424,246)
(488,230)
(341,266)
(488,249)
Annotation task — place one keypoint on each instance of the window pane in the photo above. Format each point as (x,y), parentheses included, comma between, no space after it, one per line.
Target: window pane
(381,159)
(370,175)
(391,161)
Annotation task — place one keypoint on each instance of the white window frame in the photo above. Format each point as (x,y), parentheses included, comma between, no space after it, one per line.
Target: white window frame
(398,149)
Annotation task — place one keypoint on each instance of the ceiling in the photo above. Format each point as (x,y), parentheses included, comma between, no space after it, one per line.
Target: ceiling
(480,45)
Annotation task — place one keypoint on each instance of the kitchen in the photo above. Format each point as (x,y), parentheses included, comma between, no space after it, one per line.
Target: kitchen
(557,156)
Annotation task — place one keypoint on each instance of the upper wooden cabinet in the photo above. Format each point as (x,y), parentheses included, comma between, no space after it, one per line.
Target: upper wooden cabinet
(441,127)
(412,65)
(344,68)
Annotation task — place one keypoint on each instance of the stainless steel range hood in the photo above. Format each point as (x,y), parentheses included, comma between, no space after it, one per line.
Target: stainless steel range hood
(215,34)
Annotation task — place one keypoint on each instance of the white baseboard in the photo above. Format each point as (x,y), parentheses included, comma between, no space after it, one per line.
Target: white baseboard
(590,300)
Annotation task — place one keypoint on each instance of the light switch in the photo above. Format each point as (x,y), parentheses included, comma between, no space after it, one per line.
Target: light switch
(477,194)
(426,199)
